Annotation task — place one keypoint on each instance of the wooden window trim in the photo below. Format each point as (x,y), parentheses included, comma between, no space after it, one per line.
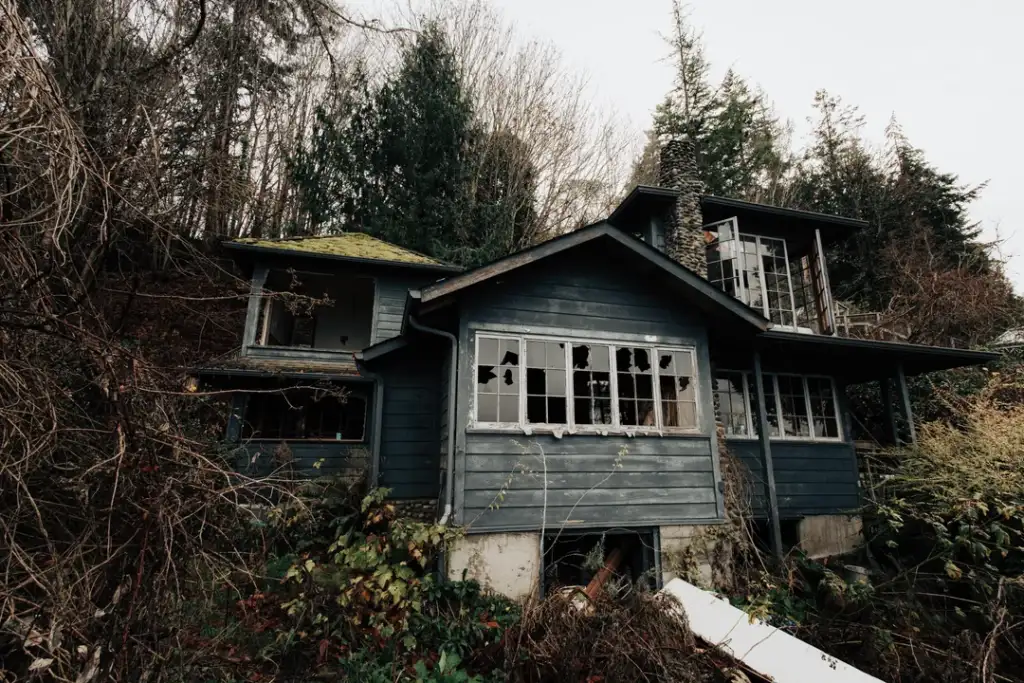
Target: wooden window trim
(772,377)
(570,426)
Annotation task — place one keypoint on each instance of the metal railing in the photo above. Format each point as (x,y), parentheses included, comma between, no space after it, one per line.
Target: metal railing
(871,326)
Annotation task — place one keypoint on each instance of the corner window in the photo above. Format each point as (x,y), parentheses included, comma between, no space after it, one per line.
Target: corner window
(796,406)
(753,268)
(304,415)
(570,383)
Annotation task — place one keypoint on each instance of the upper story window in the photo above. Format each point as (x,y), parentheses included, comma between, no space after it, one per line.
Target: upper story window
(316,311)
(584,384)
(783,279)
(304,415)
(752,268)
(797,406)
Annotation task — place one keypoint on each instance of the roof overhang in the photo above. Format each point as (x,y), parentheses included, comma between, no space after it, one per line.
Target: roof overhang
(642,202)
(701,293)
(860,360)
(252,251)
(793,224)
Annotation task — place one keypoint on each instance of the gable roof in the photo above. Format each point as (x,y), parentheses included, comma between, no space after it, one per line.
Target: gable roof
(706,296)
(346,246)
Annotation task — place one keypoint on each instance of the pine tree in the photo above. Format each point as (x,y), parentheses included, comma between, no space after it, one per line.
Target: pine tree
(408,163)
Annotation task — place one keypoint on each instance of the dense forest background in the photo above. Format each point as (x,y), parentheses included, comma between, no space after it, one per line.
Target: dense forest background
(137,134)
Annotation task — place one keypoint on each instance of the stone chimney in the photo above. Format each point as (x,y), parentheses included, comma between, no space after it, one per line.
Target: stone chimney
(684,234)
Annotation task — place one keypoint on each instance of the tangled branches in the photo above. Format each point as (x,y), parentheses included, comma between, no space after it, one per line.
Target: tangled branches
(119,517)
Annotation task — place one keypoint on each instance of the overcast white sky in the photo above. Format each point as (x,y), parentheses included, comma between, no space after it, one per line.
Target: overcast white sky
(952,72)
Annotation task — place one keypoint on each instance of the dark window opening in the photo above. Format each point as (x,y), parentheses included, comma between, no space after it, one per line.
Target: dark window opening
(313,311)
(576,559)
(304,414)
(545,383)
(591,385)
(635,379)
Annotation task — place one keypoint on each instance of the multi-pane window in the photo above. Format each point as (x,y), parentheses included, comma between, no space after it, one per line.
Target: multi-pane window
(730,393)
(497,380)
(576,383)
(675,381)
(635,386)
(792,396)
(823,407)
(545,382)
(752,268)
(796,406)
(304,415)
(591,384)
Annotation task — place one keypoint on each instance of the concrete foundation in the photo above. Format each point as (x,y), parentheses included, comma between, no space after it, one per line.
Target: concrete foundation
(827,535)
(509,564)
(688,553)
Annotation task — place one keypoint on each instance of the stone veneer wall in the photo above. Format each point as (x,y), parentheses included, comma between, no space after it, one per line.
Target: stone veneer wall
(419,509)
(684,234)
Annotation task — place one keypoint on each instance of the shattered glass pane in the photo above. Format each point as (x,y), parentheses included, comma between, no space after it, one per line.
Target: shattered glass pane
(486,379)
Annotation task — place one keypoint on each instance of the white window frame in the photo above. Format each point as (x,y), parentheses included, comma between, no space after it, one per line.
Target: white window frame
(773,378)
(742,292)
(570,425)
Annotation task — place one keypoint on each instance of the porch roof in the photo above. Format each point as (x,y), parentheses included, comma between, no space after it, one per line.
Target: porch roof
(852,360)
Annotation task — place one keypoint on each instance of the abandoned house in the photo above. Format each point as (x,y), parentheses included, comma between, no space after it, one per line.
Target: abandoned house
(582,388)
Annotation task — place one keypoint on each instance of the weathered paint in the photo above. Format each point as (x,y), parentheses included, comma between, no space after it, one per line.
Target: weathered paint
(410,430)
(509,564)
(829,535)
(688,552)
(592,480)
(303,458)
(811,478)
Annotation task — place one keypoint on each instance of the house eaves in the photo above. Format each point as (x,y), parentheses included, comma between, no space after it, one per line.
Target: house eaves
(706,296)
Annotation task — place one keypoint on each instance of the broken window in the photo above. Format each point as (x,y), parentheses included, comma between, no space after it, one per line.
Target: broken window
(305,414)
(591,384)
(793,405)
(676,391)
(545,382)
(730,393)
(753,268)
(497,380)
(560,382)
(317,311)
(824,416)
(796,406)
(635,386)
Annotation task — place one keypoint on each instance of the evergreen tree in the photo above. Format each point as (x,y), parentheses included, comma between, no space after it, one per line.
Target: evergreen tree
(408,163)
(395,162)
(738,140)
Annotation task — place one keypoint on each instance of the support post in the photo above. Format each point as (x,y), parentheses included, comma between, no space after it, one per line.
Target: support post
(252,314)
(768,469)
(908,413)
(891,426)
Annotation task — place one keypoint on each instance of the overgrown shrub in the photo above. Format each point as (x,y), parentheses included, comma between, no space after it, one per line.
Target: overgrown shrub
(945,543)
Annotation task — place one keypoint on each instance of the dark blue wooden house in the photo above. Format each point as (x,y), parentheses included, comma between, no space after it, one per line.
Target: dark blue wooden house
(587,385)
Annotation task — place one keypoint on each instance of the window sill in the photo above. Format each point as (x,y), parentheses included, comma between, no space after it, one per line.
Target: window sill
(565,431)
(775,439)
(346,442)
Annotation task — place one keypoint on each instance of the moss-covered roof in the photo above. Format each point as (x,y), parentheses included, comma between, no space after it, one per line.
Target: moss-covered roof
(354,245)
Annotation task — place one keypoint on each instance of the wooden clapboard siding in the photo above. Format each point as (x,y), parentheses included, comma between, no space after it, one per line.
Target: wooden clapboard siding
(410,430)
(811,478)
(591,480)
(392,288)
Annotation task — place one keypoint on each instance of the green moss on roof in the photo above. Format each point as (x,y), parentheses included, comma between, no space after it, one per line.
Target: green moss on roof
(347,244)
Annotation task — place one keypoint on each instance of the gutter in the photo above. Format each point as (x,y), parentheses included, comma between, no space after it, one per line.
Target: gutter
(449,487)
